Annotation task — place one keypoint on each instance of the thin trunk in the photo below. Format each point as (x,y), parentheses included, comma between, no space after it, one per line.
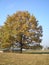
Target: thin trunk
(21,43)
(20,47)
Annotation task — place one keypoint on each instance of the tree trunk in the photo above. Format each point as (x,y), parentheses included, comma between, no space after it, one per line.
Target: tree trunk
(21,43)
(20,47)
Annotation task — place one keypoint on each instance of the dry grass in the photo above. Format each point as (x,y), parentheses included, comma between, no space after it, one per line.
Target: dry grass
(24,59)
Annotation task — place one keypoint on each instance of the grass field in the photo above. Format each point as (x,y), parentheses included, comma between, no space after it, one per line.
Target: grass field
(23,59)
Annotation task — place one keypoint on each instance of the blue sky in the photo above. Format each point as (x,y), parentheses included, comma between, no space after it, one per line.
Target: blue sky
(39,8)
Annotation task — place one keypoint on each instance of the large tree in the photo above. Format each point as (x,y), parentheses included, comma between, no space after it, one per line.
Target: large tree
(21,27)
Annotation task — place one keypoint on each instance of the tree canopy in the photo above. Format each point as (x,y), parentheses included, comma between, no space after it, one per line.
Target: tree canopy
(21,27)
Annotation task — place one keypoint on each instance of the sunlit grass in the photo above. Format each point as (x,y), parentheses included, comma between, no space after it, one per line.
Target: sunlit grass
(23,59)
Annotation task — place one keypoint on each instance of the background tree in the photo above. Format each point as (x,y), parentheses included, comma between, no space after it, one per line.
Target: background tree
(23,28)
(36,47)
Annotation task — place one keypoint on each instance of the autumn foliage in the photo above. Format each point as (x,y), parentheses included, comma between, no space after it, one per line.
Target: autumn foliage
(20,27)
